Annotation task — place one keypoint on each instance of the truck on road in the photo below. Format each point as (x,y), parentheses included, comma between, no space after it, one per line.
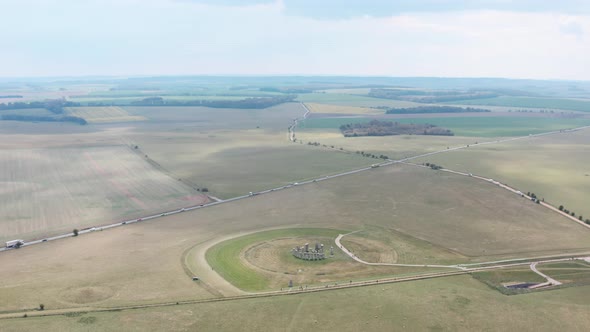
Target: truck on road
(15,243)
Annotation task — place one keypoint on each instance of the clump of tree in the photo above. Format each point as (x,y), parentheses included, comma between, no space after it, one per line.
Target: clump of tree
(388,128)
(434,109)
(41,118)
(433,166)
(254,103)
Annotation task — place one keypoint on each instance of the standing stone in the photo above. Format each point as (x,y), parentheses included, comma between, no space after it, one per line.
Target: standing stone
(331,251)
(290,283)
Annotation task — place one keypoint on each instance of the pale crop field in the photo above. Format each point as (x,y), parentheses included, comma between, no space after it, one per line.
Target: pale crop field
(46,191)
(103,114)
(395,147)
(340,109)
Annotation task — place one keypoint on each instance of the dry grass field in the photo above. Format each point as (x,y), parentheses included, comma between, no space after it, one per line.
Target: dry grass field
(385,245)
(144,262)
(395,147)
(445,304)
(45,191)
(231,151)
(103,114)
(553,167)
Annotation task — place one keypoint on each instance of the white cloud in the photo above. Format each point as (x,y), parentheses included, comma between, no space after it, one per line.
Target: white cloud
(127,37)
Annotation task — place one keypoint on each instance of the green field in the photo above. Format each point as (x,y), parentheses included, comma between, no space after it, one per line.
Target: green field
(497,279)
(553,167)
(536,102)
(570,273)
(468,126)
(343,99)
(225,256)
(28,111)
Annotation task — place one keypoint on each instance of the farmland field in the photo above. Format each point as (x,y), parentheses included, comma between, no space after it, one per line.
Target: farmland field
(339,109)
(454,304)
(45,191)
(395,147)
(457,214)
(469,126)
(103,114)
(232,152)
(228,265)
(549,103)
(553,167)
(352,100)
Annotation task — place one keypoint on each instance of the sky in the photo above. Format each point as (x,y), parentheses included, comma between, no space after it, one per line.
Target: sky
(436,38)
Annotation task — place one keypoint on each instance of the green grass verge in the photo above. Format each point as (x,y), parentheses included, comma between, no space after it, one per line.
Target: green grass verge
(495,279)
(224,257)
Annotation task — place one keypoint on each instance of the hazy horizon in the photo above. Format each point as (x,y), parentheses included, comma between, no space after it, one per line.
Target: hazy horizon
(444,38)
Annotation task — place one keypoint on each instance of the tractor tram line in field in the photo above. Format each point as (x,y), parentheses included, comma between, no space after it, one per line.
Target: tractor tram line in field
(389,162)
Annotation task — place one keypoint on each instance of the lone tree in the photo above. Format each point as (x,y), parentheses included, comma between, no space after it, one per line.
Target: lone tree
(41,307)
(75,231)
(561,208)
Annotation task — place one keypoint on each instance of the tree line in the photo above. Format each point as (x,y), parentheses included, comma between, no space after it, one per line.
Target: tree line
(41,118)
(55,106)
(253,103)
(388,128)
